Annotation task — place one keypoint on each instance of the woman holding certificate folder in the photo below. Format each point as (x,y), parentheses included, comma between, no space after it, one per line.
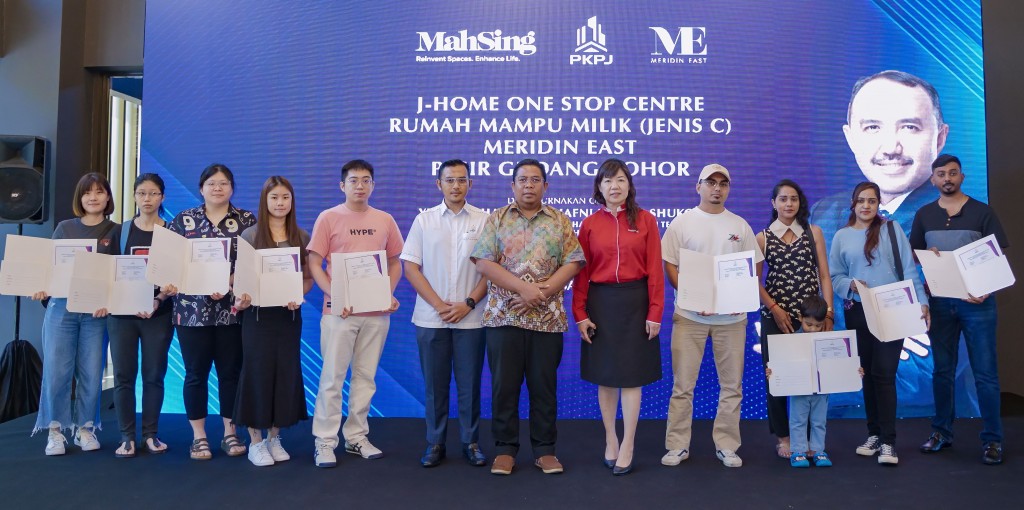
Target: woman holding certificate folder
(207,326)
(73,342)
(270,391)
(149,333)
(874,252)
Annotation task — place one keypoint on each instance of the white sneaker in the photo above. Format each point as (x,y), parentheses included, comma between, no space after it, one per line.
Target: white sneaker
(323,455)
(729,458)
(259,454)
(674,457)
(86,439)
(870,447)
(364,449)
(276,450)
(887,455)
(55,443)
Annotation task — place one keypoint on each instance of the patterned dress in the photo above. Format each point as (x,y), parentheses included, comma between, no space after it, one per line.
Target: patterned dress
(792,272)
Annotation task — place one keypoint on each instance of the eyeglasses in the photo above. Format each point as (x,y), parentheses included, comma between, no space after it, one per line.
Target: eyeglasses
(217,184)
(452,180)
(366,181)
(142,194)
(532,180)
(716,184)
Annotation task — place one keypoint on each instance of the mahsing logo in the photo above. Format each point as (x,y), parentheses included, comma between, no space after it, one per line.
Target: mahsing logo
(462,41)
(590,45)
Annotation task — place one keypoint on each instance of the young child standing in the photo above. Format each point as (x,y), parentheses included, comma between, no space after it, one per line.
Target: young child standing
(809,411)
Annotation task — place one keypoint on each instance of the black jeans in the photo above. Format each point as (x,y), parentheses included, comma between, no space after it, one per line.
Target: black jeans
(880,361)
(778,413)
(201,347)
(127,334)
(514,354)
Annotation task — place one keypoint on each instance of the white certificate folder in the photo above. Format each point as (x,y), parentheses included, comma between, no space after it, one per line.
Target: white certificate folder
(813,363)
(197,267)
(115,282)
(271,277)
(360,280)
(892,311)
(976,269)
(717,284)
(33,264)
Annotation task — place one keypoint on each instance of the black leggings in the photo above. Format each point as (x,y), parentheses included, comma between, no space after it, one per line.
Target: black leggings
(201,348)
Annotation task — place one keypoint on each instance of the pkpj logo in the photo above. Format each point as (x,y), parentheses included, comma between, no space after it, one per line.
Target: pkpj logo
(590,45)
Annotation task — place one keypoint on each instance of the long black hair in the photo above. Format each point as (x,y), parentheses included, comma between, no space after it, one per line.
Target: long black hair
(874,232)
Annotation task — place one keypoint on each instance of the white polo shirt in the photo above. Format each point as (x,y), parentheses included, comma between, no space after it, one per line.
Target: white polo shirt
(440,242)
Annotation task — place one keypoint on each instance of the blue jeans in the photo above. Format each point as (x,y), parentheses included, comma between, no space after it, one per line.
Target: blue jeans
(807,411)
(442,351)
(72,348)
(950,318)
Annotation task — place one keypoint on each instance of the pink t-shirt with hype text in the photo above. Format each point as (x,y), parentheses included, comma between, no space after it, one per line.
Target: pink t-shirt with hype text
(342,230)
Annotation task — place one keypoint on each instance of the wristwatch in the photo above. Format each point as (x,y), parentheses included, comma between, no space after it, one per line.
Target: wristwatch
(471,303)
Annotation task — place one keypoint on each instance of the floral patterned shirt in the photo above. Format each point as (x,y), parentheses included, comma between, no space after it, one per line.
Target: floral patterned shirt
(193,223)
(532,249)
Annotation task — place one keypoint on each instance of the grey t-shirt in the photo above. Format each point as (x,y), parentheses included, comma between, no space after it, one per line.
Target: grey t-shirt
(103,232)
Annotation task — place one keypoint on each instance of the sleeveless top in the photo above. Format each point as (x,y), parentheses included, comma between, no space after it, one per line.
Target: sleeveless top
(792,274)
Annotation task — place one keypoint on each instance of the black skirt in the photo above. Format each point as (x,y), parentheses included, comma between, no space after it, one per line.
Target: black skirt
(621,355)
(270,392)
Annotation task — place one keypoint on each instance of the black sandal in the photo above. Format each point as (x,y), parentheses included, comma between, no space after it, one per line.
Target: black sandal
(232,441)
(198,448)
(129,448)
(156,444)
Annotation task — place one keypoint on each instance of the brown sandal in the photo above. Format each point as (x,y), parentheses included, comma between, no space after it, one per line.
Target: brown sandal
(231,441)
(200,449)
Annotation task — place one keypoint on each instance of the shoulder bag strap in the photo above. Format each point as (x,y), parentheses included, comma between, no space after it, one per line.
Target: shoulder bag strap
(895,251)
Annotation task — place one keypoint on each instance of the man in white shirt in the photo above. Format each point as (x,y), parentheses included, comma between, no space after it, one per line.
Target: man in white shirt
(712,230)
(448,330)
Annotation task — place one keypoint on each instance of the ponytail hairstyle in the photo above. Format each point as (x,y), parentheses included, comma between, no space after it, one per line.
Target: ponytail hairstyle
(609,169)
(875,228)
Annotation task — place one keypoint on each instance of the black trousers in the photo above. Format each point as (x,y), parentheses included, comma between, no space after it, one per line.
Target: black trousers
(778,412)
(201,348)
(514,354)
(127,337)
(880,361)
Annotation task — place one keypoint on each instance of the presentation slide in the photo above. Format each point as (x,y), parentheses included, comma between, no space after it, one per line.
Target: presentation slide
(274,87)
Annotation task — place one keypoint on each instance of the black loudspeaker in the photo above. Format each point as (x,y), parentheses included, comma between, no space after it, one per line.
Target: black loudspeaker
(24,179)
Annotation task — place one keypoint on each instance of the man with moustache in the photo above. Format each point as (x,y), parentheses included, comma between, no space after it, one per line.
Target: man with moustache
(949,223)
(529,252)
(448,330)
(895,129)
(710,229)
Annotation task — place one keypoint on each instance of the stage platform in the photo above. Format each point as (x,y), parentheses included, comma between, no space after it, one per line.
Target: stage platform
(954,478)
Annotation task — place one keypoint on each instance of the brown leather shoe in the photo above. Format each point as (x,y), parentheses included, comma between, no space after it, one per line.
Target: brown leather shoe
(548,464)
(503,465)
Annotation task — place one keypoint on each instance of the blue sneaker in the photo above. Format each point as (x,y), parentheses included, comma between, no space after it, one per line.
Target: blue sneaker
(799,460)
(821,460)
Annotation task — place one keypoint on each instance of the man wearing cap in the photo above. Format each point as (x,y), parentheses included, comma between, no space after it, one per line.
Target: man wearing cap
(711,229)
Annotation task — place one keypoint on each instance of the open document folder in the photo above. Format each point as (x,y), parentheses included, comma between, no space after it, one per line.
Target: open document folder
(197,267)
(717,284)
(892,311)
(271,277)
(360,280)
(33,264)
(115,282)
(976,269)
(813,363)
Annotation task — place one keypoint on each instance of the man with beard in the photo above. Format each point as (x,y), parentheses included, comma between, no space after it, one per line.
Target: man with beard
(949,223)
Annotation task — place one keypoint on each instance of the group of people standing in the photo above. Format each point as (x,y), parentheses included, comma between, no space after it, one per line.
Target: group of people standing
(493,283)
